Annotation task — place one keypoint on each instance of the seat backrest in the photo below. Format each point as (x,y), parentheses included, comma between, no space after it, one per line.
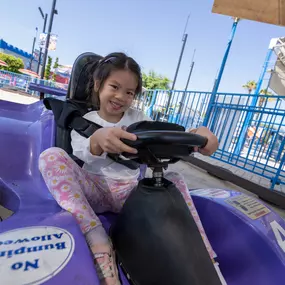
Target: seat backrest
(83,68)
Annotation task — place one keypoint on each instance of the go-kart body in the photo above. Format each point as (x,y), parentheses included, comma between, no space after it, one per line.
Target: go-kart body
(42,244)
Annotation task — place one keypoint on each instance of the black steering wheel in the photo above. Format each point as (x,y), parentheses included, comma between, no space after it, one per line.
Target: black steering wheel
(162,137)
(155,145)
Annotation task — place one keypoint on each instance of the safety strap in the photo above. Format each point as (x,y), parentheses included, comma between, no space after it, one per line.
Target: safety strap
(69,115)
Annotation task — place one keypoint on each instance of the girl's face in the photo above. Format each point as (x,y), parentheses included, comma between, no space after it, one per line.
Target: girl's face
(117,94)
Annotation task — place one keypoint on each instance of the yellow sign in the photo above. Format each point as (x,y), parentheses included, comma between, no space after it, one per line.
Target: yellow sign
(248,206)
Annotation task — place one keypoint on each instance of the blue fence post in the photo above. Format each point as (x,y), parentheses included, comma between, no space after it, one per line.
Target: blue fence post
(276,178)
(152,103)
(221,71)
(249,115)
(282,145)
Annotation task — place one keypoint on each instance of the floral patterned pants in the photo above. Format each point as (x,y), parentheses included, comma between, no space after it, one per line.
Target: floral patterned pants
(83,194)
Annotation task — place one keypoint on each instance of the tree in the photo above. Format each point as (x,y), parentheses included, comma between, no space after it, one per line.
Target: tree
(263,98)
(55,66)
(48,68)
(250,86)
(152,80)
(14,63)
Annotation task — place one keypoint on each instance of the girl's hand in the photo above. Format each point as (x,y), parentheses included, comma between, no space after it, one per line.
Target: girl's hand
(109,140)
(212,144)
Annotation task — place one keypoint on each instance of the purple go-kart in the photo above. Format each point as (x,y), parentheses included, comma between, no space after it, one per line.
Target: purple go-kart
(155,237)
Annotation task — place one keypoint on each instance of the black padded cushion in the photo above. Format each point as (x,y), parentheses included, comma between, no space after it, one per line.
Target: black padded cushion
(83,68)
(157,240)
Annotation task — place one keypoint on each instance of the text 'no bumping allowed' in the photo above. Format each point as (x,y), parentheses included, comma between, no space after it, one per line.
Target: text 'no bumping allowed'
(34,254)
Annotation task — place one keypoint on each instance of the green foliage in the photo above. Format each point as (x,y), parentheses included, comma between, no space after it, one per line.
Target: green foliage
(153,80)
(250,86)
(265,92)
(264,99)
(55,66)
(14,63)
(48,68)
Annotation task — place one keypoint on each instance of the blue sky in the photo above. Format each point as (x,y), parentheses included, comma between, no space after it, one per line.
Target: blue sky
(151,32)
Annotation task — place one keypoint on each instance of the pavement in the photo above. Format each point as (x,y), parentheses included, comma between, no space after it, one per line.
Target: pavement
(16,97)
(246,166)
(194,176)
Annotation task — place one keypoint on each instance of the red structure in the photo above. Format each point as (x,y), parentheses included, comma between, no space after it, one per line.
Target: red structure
(61,79)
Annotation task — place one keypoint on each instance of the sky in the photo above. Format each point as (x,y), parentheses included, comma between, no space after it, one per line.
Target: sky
(151,32)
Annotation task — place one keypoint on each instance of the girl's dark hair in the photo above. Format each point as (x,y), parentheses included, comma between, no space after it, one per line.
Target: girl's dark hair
(102,69)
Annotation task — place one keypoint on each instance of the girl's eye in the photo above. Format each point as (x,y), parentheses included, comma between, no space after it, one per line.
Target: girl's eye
(131,93)
(114,87)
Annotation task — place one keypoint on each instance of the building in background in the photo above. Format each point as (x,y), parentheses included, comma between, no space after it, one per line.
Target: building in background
(63,73)
(25,56)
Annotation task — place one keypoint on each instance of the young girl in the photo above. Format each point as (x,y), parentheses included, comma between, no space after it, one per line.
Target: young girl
(102,184)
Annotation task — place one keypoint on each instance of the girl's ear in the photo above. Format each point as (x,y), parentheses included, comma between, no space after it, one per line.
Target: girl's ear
(96,85)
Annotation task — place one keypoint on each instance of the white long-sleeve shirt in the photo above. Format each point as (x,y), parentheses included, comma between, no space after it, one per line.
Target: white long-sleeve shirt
(103,165)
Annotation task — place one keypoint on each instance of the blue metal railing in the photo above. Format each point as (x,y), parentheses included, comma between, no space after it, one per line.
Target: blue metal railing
(259,148)
(189,112)
(21,82)
(262,151)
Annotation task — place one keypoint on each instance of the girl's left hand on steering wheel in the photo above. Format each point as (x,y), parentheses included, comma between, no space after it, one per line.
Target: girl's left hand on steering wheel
(212,144)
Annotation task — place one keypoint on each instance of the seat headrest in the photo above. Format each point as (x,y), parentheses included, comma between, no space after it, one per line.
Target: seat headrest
(81,72)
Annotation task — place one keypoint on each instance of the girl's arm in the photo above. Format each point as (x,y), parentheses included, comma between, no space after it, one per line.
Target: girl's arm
(103,141)
(82,150)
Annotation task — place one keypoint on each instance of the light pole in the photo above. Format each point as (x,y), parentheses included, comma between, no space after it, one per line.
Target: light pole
(44,30)
(33,48)
(191,70)
(181,104)
(220,75)
(53,11)
(184,40)
(249,115)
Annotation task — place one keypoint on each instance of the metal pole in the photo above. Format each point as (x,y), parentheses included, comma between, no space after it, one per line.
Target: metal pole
(185,36)
(188,80)
(220,75)
(186,25)
(191,70)
(33,48)
(48,38)
(262,75)
(249,115)
(190,74)
(44,30)
(184,40)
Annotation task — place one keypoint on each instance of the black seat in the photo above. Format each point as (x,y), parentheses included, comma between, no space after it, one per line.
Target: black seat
(77,92)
